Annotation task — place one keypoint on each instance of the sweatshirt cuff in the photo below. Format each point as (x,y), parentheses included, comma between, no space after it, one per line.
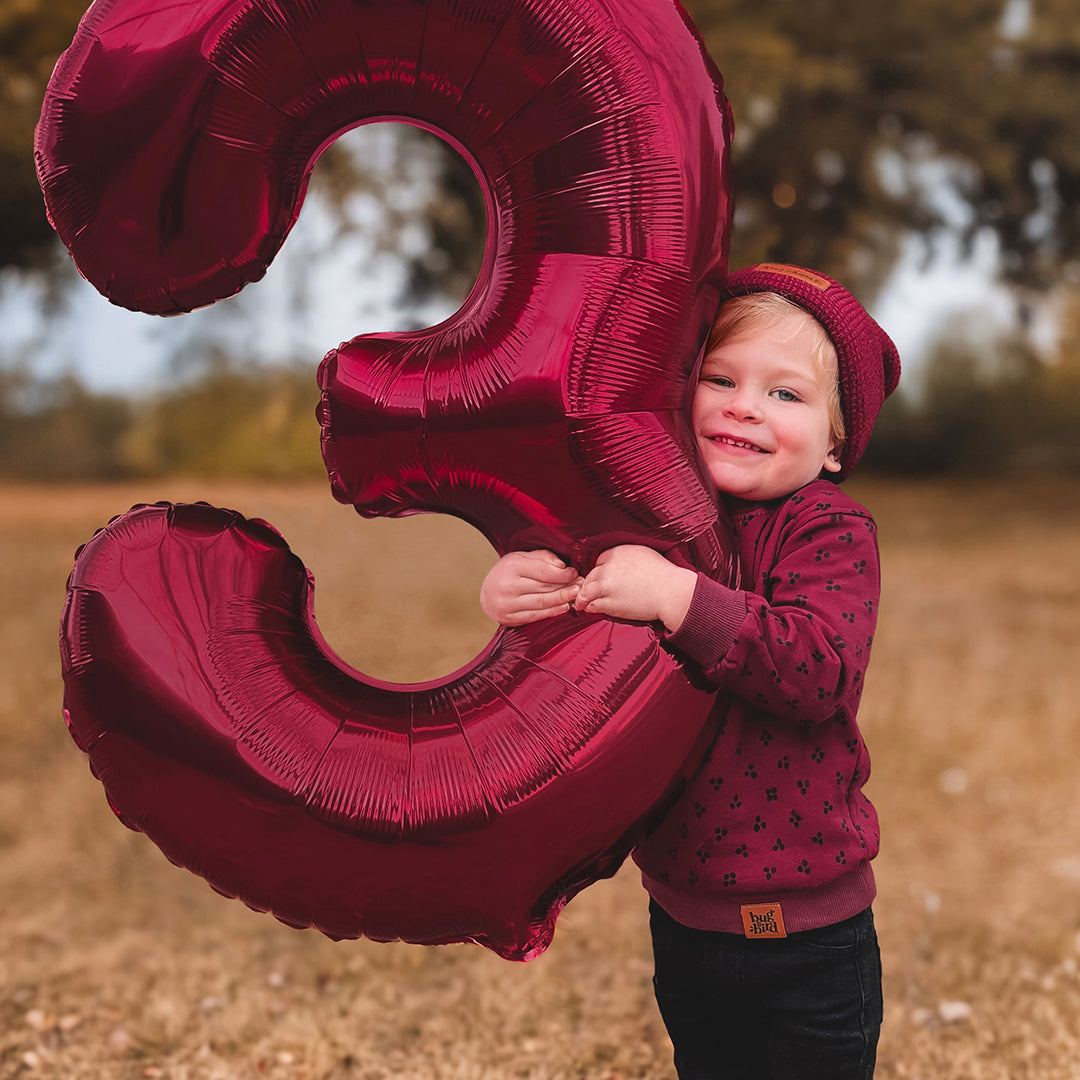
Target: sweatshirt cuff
(712,622)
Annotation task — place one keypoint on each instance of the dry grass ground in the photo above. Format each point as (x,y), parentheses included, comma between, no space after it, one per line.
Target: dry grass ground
(114,964)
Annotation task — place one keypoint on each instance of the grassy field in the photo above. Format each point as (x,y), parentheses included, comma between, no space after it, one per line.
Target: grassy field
(114,964)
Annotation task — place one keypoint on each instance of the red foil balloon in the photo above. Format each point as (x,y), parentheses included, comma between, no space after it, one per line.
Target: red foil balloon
(551,410)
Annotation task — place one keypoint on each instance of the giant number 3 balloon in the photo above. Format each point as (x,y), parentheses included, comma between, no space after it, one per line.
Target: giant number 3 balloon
(174,149)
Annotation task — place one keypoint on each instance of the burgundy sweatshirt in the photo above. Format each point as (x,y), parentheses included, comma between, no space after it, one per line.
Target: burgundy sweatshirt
(773,832)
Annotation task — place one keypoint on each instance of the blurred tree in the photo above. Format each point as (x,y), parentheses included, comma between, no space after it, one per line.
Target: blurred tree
(33,33)
(855,121)
(1018,415)
(446,260)
(858,122)
(229,421)
(857,125)
(60,431)
(232,421)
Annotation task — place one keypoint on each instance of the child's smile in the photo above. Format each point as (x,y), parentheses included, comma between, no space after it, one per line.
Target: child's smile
(761,413)
(739,444)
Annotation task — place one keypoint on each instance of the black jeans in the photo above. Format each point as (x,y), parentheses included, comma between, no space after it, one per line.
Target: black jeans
(804,1007)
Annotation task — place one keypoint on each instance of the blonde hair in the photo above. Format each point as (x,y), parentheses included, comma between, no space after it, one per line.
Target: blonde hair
(757,312)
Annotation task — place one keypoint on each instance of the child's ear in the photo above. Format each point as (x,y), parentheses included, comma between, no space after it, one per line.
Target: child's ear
(832,459)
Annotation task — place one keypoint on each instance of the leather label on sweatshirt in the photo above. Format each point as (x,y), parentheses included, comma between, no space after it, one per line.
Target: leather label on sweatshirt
(761,921)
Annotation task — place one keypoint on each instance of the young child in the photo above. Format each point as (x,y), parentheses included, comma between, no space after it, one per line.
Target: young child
(766,957)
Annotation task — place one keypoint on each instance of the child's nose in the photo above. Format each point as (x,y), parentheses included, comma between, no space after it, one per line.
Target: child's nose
(743,406)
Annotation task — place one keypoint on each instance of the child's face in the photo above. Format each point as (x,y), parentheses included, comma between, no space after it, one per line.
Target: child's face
(761,412)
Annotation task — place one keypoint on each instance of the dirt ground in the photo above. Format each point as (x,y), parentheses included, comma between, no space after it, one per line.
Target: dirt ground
(115,964)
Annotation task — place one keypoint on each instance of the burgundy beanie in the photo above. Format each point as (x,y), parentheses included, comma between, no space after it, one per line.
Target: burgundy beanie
(867,360)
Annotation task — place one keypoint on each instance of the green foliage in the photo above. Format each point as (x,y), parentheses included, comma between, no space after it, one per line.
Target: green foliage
(67,434)
(820,88)
(1022,416)
(33,33)
(836,103)
(1019,415)
(826,92)
(228,423)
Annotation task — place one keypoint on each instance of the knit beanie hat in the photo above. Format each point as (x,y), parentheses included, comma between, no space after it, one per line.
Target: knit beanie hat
(867,360)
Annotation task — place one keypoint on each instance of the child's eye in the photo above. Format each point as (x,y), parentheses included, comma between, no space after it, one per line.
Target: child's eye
(718,380)
(787,395)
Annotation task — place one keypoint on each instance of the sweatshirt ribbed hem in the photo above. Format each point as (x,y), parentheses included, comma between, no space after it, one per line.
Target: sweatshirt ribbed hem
(807,909)
(712,621)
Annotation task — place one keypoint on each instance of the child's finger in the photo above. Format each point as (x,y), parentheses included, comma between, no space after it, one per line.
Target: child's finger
(541,566)
(598,605)
(541,556)
(589,592)
(552,597)
(535,614)
(554,576)
(549,557)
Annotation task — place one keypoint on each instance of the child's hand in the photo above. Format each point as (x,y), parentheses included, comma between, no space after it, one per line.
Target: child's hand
(634,582)
(526,586)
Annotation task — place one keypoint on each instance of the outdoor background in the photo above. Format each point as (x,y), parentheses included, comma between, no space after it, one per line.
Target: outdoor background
(926,154)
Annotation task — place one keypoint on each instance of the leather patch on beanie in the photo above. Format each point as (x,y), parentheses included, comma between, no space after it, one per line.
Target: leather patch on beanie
(762,921)
(797,272)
